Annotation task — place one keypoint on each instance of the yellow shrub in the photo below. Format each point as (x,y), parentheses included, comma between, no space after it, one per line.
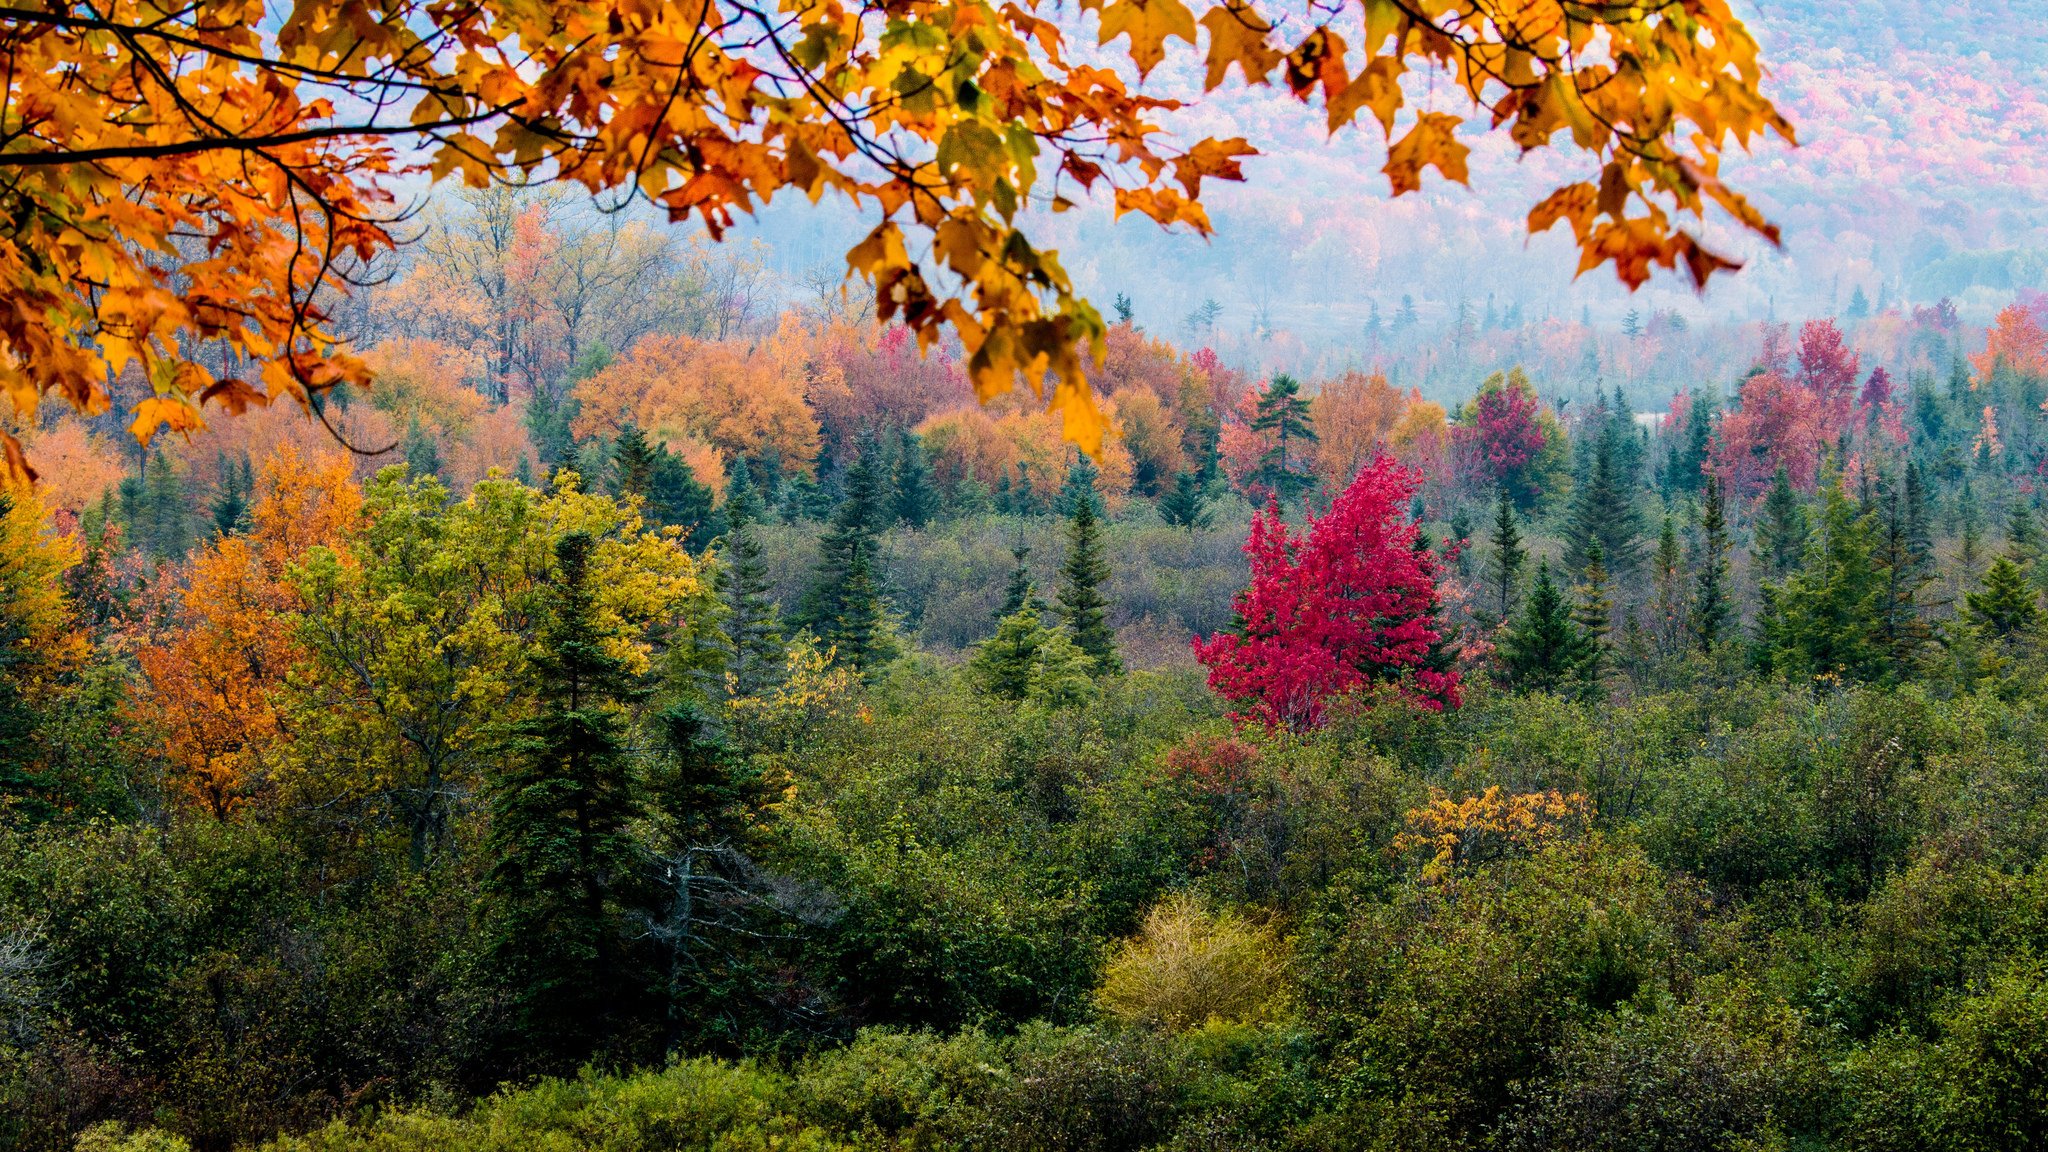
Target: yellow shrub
(1189,966)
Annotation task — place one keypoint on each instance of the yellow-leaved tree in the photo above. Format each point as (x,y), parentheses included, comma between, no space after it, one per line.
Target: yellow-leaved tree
(187,186)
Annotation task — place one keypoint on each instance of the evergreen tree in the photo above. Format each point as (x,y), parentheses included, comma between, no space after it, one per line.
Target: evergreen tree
(1710,606)
(916,500)
(1002,665)
(851,535)
(231,505)
(562,856)
(1780,530)
(743,504)
(1460,527)
(1082,605)
(1504,563)
(1284,413)
(1669,599)
(1543,650)
(1185,505)
(1019,593)
(1902,632)
(1593,615)
(421,448)
(861,634)
(632,463)
(2006,607)
(1078,486)
(154,511)
(2022,538)
(676,500)
(751,630)
(1970,547)
(1824,619)
(1603,508)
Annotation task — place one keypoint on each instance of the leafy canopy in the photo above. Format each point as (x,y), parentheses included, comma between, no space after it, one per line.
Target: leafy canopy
(187,180)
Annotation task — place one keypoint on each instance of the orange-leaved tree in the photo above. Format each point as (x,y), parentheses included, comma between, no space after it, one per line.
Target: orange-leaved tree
(188,184)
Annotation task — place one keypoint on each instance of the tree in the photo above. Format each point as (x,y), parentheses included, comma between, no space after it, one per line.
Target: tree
(1780,529)
(1185,504)
(1824,618)
(1506,438)
(743,503)
(1019,592)
(1544,650)
(861,632)
(1710,603)
(1668,601)
(1081,603)
(561,853)
(1593,615)
(1603,508)
(1504,563)
(856,521)
(230,505)
(916,501)
(2005,607)
(1351,604)
(751,630)
(38,645)
(1283,415)
(293,191)
(1002,664)
(1903,570)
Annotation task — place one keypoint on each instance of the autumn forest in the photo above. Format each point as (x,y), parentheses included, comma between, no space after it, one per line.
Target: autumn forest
(495,656)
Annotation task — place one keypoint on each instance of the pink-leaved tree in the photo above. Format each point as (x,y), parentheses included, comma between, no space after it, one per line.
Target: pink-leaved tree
(1350,603)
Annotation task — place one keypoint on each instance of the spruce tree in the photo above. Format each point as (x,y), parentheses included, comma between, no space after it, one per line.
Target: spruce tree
(676,500)
(1969,531)
(2006,607)
(1825,617)
(230,506)
(1593,615)
(1284,413)
(1507,558)
(743,504)
(1780,529)
(1185,504)
(561,853)
(422,449)
(1710,605)
(860,633)
(1019,592)
(1543,650)
(1603,507)
(1669,600)
(916,500)
(632,463)
(1082,605)
(158,519)
(751,630)
(851,534)
(1002,665)
(1078,486)
(1902,632)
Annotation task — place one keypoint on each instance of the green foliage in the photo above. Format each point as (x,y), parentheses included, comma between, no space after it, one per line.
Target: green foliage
(1185,504)
(1544,650)
(1081,603)
(1283,415)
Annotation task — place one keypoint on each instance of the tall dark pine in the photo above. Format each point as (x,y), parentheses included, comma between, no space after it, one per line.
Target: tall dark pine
(916,500)
(561,855)
(1283,412)
(1710,607)
(743,503)
(1019,592)
(230,507)
(1603,507)
(853,530)
(859,635)
(1780,530)
(1082,603)
(1902,630)
(1543,650)
(1593,615)
(752,630)
(1669,601)
(1184,504)
(1506,559)
(1078,486)
(632,463)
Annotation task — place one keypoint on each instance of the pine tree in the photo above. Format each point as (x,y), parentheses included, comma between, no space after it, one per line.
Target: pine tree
(155,512)
(1284,412)
(1710,606)
(1078,486)
(1002,665)
(2022,538)
(1543,650)
(751,630)
(1825,617)
(1082,605)
(632,463)
(676,500)
(743,504)
(1669,604)
(1593,615)
(1185,505)
(916,501)
(231,496)
(851,533)
(1505,562)
(2006,607)
(561,852)
(1970,551)
(421,448)
(1902,632)
(860,634)
(1019,593)
(1603,508)
(1780,529)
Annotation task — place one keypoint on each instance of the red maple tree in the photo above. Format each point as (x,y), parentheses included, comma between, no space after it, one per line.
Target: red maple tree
(1352,602)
